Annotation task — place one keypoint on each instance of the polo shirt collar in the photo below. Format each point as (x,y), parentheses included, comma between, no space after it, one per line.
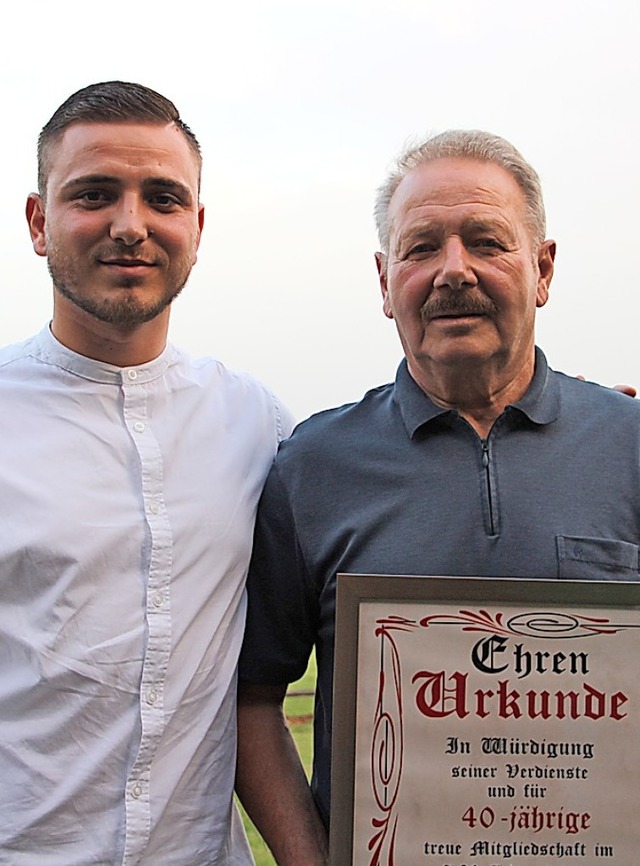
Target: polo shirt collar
(540,404)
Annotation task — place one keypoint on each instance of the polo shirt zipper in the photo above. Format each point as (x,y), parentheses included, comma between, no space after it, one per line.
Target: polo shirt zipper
(486,457)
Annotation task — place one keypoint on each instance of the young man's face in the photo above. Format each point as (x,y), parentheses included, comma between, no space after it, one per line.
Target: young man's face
(120,220)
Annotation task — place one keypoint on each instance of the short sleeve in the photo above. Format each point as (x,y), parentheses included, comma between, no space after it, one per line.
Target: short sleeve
(283,607)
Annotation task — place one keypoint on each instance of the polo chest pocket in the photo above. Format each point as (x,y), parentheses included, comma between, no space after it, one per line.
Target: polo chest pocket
(583,558)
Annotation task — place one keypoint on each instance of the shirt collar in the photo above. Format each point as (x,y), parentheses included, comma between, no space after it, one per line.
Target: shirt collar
(50,350)
(540,404)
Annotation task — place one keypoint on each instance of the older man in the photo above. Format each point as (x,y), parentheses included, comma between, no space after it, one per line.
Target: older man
(478,459)
(129,480)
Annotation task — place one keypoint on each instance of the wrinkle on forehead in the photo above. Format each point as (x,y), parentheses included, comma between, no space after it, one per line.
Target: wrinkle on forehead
(454,195)
(439,188)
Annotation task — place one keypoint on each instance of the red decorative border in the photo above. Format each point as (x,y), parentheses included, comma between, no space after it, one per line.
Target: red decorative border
(387,742)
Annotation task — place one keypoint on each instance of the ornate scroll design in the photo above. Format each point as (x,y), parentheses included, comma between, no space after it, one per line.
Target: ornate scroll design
(539,624)
(387,742)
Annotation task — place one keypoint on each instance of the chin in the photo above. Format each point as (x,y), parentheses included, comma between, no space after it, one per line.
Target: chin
(460,355)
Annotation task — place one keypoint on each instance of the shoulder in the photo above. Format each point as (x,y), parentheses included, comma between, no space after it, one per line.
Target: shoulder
(235,391)
(324,432)
(597,414)
(595,398)
(16,352)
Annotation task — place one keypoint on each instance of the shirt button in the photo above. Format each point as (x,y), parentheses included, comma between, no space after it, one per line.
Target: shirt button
(138,426)
(154,507)
(152,697)
(158,599)
(136,791)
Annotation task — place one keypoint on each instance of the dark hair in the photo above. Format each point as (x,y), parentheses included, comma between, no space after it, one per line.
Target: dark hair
(109,102)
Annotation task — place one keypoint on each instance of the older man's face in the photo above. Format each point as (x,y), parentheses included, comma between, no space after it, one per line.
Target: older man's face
(463,276)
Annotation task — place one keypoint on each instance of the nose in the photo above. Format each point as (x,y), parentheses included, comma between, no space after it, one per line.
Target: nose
(129,222)
(455,270)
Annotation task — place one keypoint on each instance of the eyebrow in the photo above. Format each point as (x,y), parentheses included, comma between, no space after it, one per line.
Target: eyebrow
(168,184)
(486,224)
(162,183)
(88,179)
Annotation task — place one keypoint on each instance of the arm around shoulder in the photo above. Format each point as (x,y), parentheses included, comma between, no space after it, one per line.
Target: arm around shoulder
(271,782)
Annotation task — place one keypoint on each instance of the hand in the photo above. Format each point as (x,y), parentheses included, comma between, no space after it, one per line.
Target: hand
(629,390)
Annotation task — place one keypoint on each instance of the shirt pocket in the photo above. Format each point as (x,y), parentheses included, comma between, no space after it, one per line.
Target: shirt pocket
(584,558)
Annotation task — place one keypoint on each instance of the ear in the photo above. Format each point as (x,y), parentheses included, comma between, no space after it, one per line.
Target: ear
(36,219)
(546,258)
(381,265)
(200,219)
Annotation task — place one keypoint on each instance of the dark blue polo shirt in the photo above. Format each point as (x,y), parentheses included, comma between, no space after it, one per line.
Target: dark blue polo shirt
(397,485)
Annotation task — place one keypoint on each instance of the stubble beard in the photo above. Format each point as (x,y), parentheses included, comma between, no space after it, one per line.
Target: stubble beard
(122,312)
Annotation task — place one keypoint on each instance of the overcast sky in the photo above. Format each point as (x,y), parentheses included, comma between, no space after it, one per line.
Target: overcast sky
(300,107)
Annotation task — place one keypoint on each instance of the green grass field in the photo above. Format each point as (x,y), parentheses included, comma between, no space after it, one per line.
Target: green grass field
(299,711)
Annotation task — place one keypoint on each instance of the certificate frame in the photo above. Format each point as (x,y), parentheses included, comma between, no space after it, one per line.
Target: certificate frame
(354,591)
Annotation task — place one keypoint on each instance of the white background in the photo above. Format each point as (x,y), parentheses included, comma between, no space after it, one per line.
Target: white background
(300,108)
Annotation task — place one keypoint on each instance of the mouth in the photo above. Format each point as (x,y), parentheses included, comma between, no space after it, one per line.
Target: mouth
(127,269)
(126,263)
(454,317)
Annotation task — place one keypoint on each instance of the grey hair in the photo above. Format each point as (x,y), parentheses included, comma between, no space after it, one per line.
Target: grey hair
(469,144)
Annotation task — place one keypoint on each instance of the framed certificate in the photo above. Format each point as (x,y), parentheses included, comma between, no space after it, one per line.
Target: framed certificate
(485,722)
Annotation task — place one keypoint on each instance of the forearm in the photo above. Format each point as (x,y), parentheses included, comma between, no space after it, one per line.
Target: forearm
(271,782)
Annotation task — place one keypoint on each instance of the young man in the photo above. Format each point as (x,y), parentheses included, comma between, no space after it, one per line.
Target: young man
(130,478)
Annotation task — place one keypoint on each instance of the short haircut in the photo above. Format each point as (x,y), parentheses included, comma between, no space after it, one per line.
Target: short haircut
(468,144)
(109,102)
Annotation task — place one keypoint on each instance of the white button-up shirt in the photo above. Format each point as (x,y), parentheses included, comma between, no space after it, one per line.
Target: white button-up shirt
(127,502)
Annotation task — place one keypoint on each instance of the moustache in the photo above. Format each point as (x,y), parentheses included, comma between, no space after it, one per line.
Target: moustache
(456,304)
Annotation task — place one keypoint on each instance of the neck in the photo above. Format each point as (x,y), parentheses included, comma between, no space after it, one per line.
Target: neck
(121,346)
(478,395)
